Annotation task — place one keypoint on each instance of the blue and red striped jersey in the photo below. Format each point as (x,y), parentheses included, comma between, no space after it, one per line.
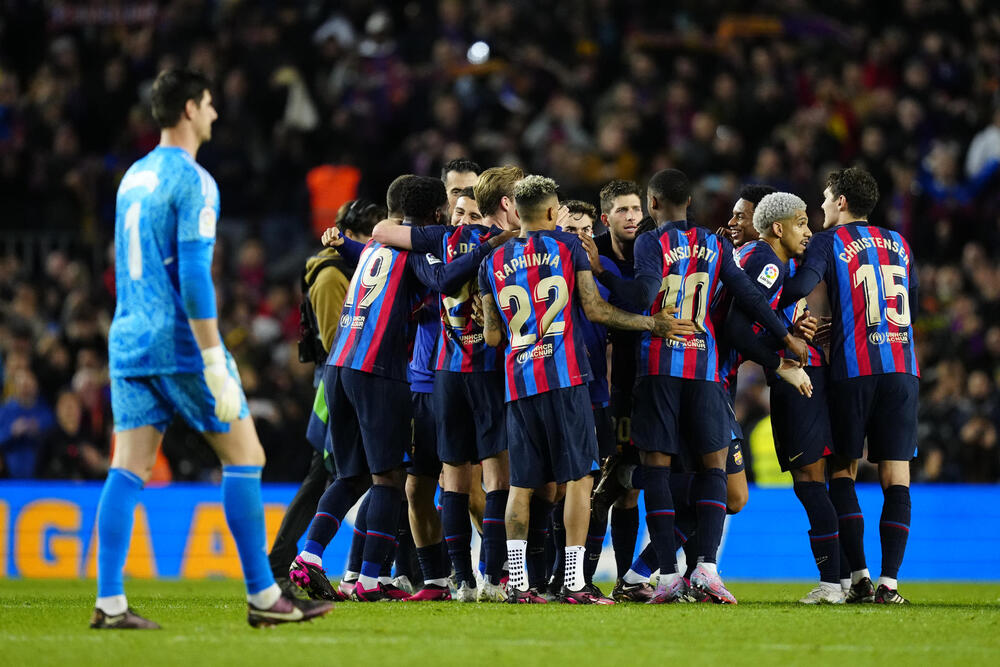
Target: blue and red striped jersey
(769,274)
(792,312)
(462,348)
(420,371)
(595,339)
(532,280)
(872,284)
(372,333)
(686,259)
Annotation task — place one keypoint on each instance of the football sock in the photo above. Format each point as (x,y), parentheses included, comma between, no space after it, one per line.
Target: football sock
(624,531)
(333,505)
(851,521)
(115,514)
(481,565)
(516,567)
(574,567)
(385,572)
(539,512)
(660,515)
(642,567)
(380,533)
(357,552)
(710,508)
(406,550)
(244,509)
(823,529)
(888,582)
(458,534)
(432,565)
(595,542)
(559,541)
(894,528)
(495,534)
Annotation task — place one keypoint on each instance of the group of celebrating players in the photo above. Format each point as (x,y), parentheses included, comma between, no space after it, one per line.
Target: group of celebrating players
(471,350)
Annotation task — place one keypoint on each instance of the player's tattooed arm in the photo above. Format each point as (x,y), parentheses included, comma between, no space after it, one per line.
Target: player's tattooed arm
(663,324)
(492,321)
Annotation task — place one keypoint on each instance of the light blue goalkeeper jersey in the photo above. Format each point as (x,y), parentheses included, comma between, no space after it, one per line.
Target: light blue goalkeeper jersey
(164,198)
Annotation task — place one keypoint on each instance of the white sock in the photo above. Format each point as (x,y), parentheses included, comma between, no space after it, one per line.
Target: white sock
(437,582)
(266,598)
(845,584)
(888,583)
(311,558)
(367,583)
(517,568)
(711,568)
(633,577)
(385,581)
(112,605)
(858,575)
(666,580)
(350,575)
(831,587)
(574,567)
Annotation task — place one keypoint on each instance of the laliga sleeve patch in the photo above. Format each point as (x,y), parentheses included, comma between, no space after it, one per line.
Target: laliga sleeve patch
(768,275)
(206,222)
(431,259)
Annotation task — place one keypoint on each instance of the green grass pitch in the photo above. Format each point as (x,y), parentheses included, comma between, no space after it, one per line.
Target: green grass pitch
(45,623)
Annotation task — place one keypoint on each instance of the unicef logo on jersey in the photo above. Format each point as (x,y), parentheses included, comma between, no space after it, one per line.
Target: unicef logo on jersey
(345,320)
(876,338)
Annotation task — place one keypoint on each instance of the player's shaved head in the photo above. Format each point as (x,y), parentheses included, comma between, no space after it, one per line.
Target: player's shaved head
(671,186)
(171,92)
(533,195)
(392,195)
(494,184)
(775,207)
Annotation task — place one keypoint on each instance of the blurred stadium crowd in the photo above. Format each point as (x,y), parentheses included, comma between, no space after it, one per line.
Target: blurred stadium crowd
(320,102)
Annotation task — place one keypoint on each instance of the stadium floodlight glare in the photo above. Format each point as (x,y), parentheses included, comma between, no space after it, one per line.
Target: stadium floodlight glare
(478,53)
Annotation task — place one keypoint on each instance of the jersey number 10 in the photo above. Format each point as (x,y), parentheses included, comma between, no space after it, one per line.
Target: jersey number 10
(694,304)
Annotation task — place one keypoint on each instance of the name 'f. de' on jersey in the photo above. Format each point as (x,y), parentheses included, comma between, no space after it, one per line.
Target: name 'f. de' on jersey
(533,280)
(871,281)
(463,348)
(165,198)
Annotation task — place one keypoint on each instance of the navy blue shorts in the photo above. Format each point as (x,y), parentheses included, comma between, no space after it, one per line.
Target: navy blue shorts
(424,460)
(800,425)
(882,408)
(670,412)
(621,418)
(607,444)
(551,437)
(370,420)
(470,409)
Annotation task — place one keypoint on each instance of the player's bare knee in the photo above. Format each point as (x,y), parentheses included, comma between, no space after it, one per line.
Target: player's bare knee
(894,473)
(736,498)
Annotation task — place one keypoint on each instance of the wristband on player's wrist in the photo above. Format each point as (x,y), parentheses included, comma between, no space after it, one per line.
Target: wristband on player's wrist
(213,355)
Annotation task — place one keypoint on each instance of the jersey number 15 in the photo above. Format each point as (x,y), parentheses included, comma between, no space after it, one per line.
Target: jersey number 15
(892,293)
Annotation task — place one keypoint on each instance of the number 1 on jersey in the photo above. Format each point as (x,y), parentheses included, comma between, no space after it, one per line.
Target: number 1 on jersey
(694,305)
(134,243)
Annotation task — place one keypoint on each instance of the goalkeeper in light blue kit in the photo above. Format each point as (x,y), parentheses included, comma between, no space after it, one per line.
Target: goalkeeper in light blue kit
(167,358)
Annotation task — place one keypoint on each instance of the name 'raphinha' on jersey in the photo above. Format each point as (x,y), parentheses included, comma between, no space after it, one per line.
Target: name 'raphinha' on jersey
(524,261)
